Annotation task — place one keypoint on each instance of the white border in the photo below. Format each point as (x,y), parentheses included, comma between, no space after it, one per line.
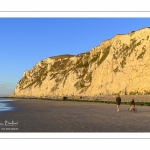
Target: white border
(74,9)
(61,135)
(74,5)
(74,14)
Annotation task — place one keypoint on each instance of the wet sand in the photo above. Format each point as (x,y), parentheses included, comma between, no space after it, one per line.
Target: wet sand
(35,115)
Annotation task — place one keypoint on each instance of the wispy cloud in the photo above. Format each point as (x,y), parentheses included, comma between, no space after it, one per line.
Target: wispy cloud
(6,88)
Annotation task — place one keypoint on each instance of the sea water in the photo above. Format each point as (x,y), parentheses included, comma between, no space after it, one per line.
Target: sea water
(5,104)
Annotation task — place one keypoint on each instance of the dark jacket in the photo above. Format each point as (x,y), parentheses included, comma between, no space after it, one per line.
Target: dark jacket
(132,103)
(118,100)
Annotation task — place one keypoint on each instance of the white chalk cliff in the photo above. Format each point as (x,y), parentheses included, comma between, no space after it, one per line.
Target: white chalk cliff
(118,65)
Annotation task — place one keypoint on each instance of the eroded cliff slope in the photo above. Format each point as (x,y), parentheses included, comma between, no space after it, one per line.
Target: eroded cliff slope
(119,65)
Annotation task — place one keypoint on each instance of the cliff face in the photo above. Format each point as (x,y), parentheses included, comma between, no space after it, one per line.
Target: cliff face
(119,65)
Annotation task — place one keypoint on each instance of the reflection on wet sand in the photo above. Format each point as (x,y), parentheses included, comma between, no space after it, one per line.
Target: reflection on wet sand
(5,105)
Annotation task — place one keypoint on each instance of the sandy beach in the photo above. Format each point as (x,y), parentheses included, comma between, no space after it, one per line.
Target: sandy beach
(32,115)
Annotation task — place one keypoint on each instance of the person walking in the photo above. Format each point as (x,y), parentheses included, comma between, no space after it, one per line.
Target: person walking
(118,102)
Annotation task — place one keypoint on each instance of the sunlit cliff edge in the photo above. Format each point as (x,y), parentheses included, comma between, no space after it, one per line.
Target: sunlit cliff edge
(118,65)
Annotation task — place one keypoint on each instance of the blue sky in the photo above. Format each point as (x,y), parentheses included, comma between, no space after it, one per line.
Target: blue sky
(26,41)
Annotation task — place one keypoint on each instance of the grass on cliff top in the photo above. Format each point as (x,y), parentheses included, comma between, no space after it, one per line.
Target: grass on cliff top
(62,56)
